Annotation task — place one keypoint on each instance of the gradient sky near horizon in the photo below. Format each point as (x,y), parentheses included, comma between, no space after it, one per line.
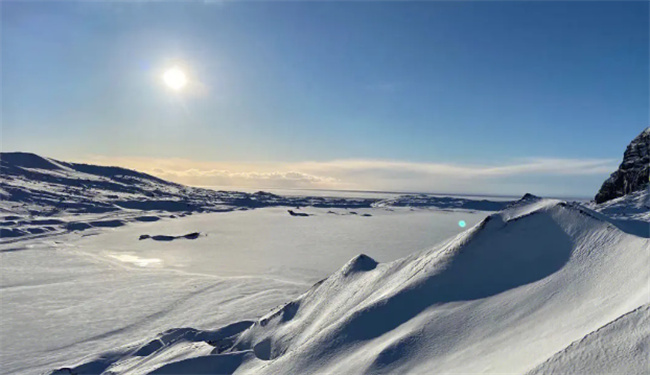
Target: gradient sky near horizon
(466,97)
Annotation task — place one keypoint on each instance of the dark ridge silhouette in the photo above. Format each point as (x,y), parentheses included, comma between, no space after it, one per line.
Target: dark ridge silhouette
(26,160)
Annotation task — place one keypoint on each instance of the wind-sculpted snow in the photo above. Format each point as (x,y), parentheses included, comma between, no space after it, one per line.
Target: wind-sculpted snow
(631,213)
(621,344)
(501,297)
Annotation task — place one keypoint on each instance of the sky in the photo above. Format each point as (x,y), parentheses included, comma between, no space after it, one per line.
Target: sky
(464,97)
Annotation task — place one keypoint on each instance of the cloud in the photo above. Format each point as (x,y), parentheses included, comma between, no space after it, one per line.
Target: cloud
(540,175)
(526,166)
(220,177)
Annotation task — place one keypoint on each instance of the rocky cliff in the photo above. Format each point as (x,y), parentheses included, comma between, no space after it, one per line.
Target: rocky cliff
(632,174)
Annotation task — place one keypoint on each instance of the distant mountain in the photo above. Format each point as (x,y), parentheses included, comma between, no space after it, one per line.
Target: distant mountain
(633,173)
(9,161)
(34,187)
(37,185)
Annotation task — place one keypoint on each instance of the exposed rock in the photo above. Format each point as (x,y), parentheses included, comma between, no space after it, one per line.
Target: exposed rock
(632,175)
(192,236)
(161,237)
(529,196)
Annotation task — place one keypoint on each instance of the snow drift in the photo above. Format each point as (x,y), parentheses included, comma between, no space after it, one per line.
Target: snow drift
(516,293)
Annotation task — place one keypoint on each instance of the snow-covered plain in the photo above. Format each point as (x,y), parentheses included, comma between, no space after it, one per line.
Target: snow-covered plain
(268,241)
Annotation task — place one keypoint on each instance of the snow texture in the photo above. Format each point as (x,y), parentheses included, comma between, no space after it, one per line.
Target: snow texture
(512,294)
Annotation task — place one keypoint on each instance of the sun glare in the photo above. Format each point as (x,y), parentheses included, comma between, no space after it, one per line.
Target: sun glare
(175,78)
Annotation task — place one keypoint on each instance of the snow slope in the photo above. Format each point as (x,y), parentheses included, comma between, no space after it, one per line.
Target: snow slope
(621,344)
(630,213)
(506,296)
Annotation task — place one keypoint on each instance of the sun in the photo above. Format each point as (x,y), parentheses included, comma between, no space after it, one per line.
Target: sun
(175,78)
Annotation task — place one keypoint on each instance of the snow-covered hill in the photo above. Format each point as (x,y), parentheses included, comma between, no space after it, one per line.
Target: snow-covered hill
(39,185)
(541,286)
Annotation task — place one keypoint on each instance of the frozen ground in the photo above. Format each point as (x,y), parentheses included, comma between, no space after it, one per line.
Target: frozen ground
(269,241)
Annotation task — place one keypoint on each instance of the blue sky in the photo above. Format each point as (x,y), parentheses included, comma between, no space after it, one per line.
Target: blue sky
(494,97)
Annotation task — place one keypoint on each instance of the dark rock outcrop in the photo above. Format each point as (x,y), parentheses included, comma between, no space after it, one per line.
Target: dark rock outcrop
(632,175)
(161,237)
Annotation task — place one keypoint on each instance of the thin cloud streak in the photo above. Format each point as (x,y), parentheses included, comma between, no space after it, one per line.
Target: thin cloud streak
(525,166)
(533,174)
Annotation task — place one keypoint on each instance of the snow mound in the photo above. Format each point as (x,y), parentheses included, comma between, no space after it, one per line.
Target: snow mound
(501,297)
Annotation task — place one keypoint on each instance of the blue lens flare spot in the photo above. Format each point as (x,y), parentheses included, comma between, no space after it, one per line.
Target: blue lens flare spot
(462,223)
